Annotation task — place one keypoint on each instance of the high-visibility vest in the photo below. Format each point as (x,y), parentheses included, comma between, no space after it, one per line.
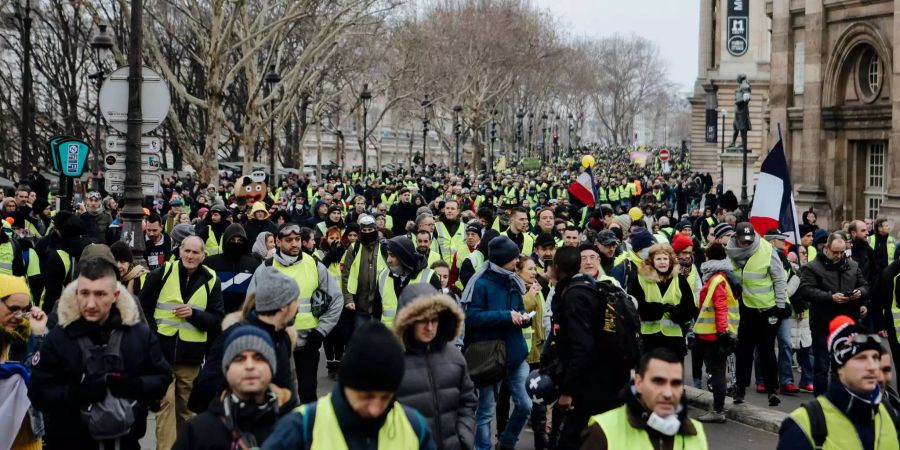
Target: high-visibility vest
(527,243)
(167,324)
(895,311)
(693,277)
(841,431)
(389,295)
(620,434)
(613,194)
(396,433)
(891,247)
(449,244)
(652,294)
(353,278)
(601,193)
(334,268)
(475,257)
(213,247)
(759,291)
(528,333)
(306,274)
(706,320)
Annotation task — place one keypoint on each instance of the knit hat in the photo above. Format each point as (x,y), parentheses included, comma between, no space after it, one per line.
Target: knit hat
(635,214)
(39,205)
(180,232)
(623,221)
(121,252)
(274,290)
(249,337)
(680,226)
(334,208)
(502,250)
(373,360)
(98,252)
(846,339)
(723,229)
(402,247)
(473,227)
(641,239)
(414,291)
(681,242)
(176,202)
(10,285)
(423,210)
(820,237)
(806,229)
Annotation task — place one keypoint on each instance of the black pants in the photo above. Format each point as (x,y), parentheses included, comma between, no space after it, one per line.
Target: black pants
(656,340)
(306,360)
(568,426)
(756,333)
(715,366)
(697,358)
(336,341)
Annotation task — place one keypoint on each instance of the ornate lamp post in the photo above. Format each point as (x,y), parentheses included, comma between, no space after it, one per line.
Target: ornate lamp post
(27,110)
(426,119)
(543,138)
(530,133)
(571,121)
(519,116)
(457,130)
(272,78)
(366,97)
(490,160)
(101,43)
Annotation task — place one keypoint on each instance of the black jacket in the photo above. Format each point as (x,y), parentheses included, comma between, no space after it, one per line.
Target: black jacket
(176,350)
(58,390)
(55,275)
(255,227)
(234,267)
(211,381)
(401,213)
(586,351)
(864,256)
(207,430)
(158,254)
(97,225)
(820,279)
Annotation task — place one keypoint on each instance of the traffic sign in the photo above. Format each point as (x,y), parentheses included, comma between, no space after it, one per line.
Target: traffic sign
(149,144)
(52,144)
(114,182)
(664,155)
(116,161)
(155,100)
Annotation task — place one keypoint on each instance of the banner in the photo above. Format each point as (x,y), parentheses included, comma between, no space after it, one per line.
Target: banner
(712,126)
(737,23)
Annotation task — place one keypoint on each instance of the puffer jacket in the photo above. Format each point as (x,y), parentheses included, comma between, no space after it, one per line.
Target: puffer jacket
(436,381)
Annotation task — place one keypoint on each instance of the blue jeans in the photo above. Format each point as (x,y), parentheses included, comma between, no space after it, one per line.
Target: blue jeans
(786,356)
(484,415)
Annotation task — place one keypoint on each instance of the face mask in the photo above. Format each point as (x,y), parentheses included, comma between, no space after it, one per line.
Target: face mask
(368,238)
(667,426)
(233,247)
(644,253)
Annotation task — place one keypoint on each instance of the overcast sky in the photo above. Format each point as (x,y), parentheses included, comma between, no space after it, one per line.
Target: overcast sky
(670,24)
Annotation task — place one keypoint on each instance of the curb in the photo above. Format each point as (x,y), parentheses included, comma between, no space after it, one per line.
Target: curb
(745,413)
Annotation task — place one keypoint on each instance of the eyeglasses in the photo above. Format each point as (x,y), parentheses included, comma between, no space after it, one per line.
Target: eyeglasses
(18,311)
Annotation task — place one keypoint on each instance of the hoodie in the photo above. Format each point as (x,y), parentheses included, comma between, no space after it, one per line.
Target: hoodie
(259,250)
(254,227)
(719,295)
(739,257)
(234,267)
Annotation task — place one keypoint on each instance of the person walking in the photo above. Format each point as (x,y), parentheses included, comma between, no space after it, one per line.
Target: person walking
(405,267)
(363,261)
(234,267)
(436,380)
(852,413)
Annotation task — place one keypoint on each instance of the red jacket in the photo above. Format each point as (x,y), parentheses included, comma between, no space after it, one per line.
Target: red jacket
(720,303)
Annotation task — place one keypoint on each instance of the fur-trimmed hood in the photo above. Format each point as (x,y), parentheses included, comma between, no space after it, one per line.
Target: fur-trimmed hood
(649,272)
(450,317)
(68,311)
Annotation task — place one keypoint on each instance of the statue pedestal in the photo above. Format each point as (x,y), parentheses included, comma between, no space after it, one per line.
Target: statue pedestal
(733,165)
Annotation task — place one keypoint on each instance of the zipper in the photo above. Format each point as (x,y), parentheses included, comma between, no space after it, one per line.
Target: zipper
(437,411)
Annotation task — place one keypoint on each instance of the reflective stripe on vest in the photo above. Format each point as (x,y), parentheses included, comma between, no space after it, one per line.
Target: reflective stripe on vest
(396,433)
(6,258)
(213,247)
(759,292)
(842,433)
(895,311)
(353,278)
(665,325)
(891,247)
(167,324)
(306,273)
(389,294)
(621,435)
(706,320)
(527,243)
(449,244)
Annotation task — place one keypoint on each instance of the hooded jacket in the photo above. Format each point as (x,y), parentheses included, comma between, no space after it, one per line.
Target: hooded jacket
(719,296)
(436,381)
(56,381)
(254,227)
(234,267)
(259,249)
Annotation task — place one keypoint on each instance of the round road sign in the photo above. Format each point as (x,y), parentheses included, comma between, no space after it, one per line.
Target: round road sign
(155,100)
(664,155)
(110,160)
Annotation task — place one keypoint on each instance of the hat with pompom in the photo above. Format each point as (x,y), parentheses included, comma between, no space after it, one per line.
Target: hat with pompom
(846,339)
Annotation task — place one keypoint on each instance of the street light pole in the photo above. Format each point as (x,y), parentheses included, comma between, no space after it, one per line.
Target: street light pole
(519,116)
(490,160)
(556,139)
(426,104)
(569,138)
(101,42)
(272,78)
(544,138)
(530,134)
(366,97)
(722,155)
(457,130)
(27,120)
(133,213)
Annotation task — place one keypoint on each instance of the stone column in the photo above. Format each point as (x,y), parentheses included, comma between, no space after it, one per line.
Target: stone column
(704,62)
(808,180)
(890,207)
(781,82)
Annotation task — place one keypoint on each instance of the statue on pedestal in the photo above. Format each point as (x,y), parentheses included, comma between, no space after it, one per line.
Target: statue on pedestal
(741,113)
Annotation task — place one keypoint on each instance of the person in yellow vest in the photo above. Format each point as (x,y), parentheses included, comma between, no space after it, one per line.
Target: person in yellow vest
(362,410)
(518,231)
(683,247)
(762,276)
(451,232)
(184,299)
(716,325)
(424,247)
(334,218)
(852,414)
(405,266)
(473,239)
(883,244)
(654,415)
(212,229)
(318,313)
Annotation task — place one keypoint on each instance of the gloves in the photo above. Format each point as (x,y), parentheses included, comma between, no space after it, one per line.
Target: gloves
(122,386)
(89,391)
(783,312)
(727,342)
(314,340)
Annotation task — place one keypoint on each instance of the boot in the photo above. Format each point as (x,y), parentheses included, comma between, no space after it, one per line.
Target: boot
(774,400)
(538,421)
(739,393)
(713,417)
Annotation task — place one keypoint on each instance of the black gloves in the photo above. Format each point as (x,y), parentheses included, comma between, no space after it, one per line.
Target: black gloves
(123,386)
(727,342)
(90,390)
(314,340)
(783,312)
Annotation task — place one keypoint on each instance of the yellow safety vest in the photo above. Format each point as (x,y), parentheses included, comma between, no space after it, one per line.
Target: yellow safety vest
(527,243)
(693,277)
(306,273)
(449,244)
(167,324)
(891,246)
(620,434)
(334,268)
(652,294)
(213,247)
(759,292)
(433,257)
(528,333)
(706,320)
(895,311)
(395,434)
(389,295)
(841,432)
(353,279)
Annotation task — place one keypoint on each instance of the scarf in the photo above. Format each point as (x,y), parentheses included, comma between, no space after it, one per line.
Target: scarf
(489,266)
(285,260)
(738,254)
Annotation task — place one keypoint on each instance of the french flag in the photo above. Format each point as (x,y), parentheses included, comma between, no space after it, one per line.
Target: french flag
(773,203)
(582,190)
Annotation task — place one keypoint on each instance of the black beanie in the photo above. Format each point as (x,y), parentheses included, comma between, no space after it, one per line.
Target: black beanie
(502,250)
(373,360)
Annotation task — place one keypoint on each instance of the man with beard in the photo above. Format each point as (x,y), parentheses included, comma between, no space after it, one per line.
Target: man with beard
(607,243)
(402,212)
(423,247)
(518,231)
(451,235)
(95,218)
(404,267)
(363,261)
(234,267)
(861,252)
(212,230)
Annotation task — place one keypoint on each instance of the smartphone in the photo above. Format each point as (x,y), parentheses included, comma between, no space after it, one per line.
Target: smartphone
(848,294)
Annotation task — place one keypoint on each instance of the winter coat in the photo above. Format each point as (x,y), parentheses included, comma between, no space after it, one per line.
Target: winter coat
(58,371)
(494,297)
(207,430)
(256,227)
(820,279)
(234,267)
(719,296)
(683,312)
(97,222)
(436,381)
(176,350)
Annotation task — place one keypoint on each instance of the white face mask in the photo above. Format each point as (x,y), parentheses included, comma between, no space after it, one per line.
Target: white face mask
(666,425)
(645,253)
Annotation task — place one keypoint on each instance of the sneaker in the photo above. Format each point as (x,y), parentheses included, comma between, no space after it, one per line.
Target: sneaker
(760,388)
(713,417)
(774,400)
(790,388)
(807,388)
(739,393)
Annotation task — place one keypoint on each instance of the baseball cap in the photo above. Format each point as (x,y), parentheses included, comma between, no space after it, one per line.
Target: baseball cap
(606,238)
(744,232)
(366,220)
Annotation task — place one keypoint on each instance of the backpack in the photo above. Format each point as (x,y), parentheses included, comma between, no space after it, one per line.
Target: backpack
(112,417)
(621,318)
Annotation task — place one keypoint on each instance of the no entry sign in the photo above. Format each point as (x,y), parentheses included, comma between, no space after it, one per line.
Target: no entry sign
(664,155)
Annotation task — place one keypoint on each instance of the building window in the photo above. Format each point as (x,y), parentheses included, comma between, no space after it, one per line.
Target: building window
(875,170)
(870,76)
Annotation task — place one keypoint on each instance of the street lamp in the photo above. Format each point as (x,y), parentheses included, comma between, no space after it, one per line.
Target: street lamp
(571,121)
(101,43)
(519,116)
(457,130)
(722,155)
(543,138)
(27,120)
(272,78)
(530,129)
(490,160)
(426,109)
(556,139)
(366,97)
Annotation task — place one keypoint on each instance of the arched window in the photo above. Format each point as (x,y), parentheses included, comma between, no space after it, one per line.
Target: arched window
(870,76)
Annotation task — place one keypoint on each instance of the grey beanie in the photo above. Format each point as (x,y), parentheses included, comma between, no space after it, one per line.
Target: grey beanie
(181,231)
(423,210)
(414,291)
(249,337)
(502,250)
(274,290)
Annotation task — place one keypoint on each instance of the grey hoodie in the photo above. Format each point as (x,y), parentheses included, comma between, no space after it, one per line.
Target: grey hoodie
(259,249)
(739,257)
